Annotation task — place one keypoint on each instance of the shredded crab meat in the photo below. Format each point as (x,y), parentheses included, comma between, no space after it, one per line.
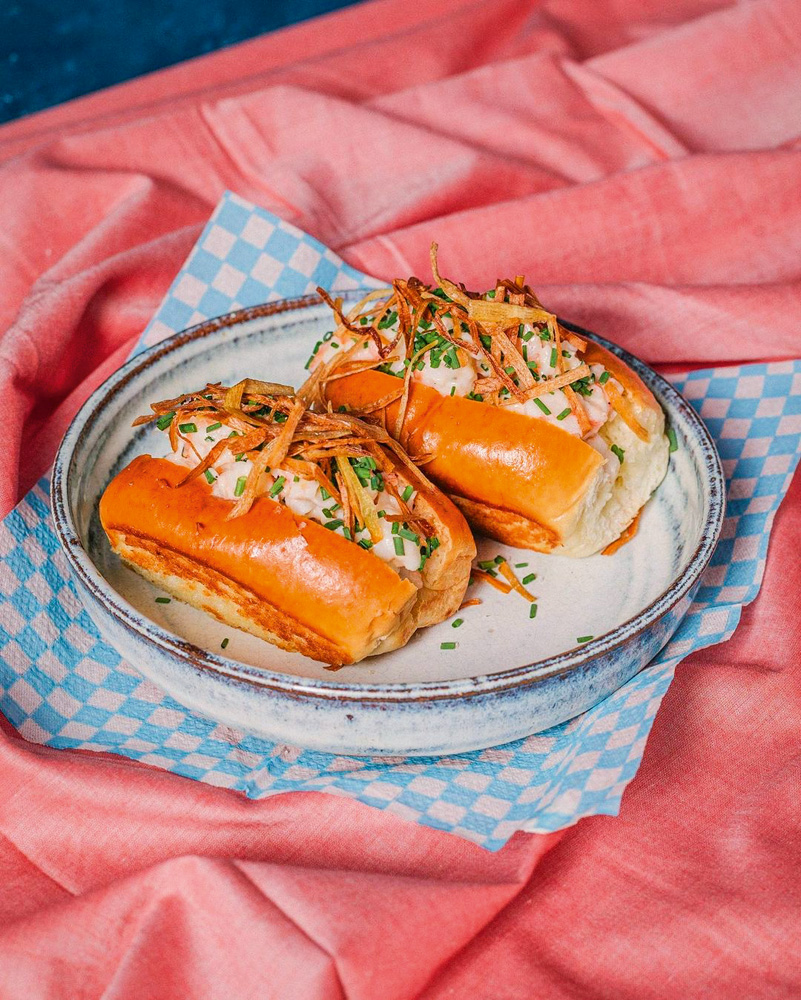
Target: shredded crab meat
(261,439)
(502,348)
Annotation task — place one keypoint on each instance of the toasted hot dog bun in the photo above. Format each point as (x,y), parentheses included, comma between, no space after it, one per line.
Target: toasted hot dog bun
(280,576)
(519,479)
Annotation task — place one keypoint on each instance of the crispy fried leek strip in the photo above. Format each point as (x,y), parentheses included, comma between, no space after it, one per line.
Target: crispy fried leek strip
(578,411)
(480,574)
(362,501)
(506,571)
(621,406)
(625,536)
(558,382)
(361,331)
(452,291)
(382,402)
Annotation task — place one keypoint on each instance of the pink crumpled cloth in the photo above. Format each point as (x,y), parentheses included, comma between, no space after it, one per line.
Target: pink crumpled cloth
(641,163)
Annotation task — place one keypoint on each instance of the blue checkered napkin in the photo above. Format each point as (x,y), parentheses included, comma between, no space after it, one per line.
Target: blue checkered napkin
(62,686)
(246,256)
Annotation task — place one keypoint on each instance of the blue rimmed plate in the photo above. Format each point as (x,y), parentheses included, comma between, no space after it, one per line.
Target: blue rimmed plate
(508,676)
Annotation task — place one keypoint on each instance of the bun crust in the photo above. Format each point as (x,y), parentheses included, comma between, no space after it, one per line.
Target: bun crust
(519,479)
(275,574)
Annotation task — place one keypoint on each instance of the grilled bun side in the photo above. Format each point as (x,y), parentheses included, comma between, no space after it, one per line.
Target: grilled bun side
(519,479)
(493,458)
(270,572)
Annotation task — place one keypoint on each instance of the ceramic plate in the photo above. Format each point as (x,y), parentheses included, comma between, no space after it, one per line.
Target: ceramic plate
(508,676)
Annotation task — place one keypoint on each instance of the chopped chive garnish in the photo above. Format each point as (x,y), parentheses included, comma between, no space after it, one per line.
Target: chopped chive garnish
(563,414)
(585,638)
(498,560)
(407,492)
(324,493)
(280,418)
(486,564)
(334,344)
(347,534)
(329,335)
(187,428)
(224,643)
(381,513)
(544,335)
(277,486)
(453,390)
(164,422)
(296,479)
(399,550)
(520,565)
(529,578)
(239,489)
(532,611)
(619,452)
(333,525)
(234,434)
(554,356)
(457,622)
(210,477)
(388,320)
(365,543)
(214,427)
(542,405)
(433,543)
(447,645)
(671,436)
(363,321)
(410,535)
(604,378)
(395,527)
(208,437)
(342,409)
(240,457)
(163,600)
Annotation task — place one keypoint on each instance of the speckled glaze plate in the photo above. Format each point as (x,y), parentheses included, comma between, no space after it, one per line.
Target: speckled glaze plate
(508,676)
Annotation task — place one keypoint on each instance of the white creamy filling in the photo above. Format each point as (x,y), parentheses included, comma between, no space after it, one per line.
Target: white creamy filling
(303,496)
(611,467)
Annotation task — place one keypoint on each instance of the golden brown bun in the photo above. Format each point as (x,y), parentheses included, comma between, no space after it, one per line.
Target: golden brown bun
(519,479)
(275,574)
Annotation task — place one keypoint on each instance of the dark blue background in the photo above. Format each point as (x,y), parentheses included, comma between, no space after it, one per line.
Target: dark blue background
(52,51)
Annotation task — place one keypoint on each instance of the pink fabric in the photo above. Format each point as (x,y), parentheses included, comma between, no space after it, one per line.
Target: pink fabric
(640,161)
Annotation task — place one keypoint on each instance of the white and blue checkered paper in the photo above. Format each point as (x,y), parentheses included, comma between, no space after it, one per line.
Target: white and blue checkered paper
(62,686)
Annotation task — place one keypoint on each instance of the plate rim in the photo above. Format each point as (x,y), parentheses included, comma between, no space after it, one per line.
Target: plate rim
(198,658)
